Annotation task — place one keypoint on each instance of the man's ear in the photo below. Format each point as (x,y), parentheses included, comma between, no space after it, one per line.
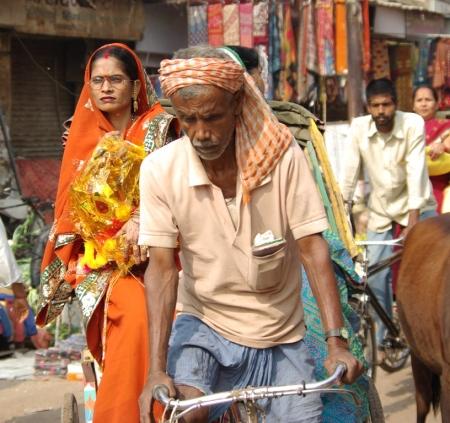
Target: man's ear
(238,97)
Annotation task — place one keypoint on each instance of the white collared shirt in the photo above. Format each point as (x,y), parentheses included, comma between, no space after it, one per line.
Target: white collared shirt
(396,167)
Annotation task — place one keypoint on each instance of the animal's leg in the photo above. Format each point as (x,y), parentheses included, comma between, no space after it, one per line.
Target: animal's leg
(423,383)
(445,395)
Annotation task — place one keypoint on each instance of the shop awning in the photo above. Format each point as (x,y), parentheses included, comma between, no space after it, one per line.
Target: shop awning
(422,5)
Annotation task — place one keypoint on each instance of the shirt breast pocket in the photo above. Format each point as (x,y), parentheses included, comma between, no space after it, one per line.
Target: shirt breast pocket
(266,271)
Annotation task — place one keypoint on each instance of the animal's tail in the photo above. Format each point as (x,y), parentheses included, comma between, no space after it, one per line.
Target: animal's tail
(435,392)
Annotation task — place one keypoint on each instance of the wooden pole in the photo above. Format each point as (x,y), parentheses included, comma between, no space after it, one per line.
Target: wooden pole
(355,105)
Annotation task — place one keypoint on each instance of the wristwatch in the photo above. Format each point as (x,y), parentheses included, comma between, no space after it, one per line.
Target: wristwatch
(338,333)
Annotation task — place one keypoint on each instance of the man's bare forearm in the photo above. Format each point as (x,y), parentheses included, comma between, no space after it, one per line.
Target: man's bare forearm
(161,284)
(314,255)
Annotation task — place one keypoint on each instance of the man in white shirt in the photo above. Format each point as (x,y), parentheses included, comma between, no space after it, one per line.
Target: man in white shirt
(391,146)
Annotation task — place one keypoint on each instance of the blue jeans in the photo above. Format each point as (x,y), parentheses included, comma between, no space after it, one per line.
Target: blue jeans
(381,282)
(199,357)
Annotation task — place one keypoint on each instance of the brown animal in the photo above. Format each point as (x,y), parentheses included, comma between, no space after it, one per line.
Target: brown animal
(423,297)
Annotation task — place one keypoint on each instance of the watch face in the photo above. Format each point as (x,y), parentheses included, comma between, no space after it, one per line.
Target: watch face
(344,333)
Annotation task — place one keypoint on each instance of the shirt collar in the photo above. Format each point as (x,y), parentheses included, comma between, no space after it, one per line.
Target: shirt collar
(196,173)
(397,131)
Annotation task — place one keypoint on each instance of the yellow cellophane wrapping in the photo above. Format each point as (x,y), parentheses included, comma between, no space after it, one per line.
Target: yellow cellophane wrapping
(103,197)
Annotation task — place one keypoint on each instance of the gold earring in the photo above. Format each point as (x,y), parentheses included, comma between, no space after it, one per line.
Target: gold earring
(134,97)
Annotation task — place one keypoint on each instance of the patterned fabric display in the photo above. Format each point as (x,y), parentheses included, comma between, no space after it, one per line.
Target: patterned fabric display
(288,55)
(441,65)
(274,50)
(421,75)
(380,59)
(311,58)
(341,37)
(215,25)
(231,24)
(261,22)
(246,24)
(403,81)
(325,36)
(197,25)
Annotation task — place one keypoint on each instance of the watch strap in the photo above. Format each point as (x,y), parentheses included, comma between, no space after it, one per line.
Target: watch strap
(338,332)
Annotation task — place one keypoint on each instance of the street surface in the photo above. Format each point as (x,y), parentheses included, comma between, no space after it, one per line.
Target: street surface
(40,400)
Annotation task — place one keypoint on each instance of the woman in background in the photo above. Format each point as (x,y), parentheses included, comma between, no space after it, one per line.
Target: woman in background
(437,135)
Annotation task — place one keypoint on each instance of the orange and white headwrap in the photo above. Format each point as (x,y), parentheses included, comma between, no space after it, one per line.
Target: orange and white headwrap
(260,139)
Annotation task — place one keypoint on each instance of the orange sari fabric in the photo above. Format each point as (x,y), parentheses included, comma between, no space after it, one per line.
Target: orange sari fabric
(118,326)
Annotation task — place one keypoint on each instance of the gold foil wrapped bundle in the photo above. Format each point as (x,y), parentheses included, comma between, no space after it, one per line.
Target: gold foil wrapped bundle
(103,197)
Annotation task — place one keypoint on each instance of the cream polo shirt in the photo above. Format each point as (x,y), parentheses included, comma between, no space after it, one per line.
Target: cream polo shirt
(253,301)
(396,168)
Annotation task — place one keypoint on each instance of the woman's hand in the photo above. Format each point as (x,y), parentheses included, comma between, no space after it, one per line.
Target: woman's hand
(21,310)
(436,149)
(20,303)
(130,235)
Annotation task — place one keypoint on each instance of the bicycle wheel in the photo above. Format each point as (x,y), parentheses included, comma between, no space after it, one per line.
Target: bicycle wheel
(69,411)
(38,252)
(376,414)
(366,335)
(396,351)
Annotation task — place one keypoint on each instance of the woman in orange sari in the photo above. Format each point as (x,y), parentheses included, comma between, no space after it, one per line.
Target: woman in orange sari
(116,97)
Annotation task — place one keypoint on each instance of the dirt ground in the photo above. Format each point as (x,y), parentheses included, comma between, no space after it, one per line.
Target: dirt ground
(40,400)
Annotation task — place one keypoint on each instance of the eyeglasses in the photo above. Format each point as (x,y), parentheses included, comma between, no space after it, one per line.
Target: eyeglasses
(116,81)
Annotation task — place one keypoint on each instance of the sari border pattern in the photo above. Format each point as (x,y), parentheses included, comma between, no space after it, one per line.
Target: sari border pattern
(157,131)
(91,291)
(54,291)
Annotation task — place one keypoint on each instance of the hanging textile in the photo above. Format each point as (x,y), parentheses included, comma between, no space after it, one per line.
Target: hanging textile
(197,25)
(215,25)
(274,51)
(325,36)
(288,55)
(301,89)
(380,59)
(421,75)
(279,89)
(402,68)
(441,65)
(341,38)
(311,58)
(231,24)
(261,22)
(246,24)
(366,54)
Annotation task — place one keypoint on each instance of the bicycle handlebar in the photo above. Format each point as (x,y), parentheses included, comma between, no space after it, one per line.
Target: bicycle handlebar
(161,393)
(395,242)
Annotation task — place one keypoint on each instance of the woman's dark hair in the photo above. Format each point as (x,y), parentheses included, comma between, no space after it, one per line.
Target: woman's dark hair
(249,56)
(429,87)
(123,56)
(379,87)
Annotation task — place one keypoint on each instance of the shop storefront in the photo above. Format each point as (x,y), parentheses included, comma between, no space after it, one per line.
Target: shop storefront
(306,44)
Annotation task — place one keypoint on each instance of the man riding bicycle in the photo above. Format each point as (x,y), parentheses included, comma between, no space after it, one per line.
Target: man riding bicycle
(236,195)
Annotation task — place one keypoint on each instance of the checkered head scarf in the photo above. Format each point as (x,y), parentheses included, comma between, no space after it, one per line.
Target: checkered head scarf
(260,139)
